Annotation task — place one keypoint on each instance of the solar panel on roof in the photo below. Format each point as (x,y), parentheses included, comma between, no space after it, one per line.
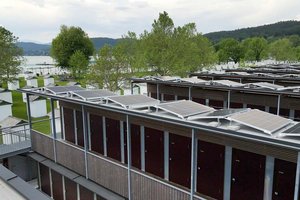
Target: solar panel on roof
(184,108)
(228,83)
(63,89)
(260,120)
(267,85)
(134,101)
(293,131)
(222,113)
(193,80)
(93,94)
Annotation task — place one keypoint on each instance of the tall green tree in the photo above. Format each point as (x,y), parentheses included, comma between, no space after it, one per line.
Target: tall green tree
(282,50)
(10,55)
(230,49)
(255,48)
(78,63)
(67,42)
(110,70)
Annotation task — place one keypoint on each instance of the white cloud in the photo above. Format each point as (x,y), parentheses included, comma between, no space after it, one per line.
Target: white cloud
(40,20)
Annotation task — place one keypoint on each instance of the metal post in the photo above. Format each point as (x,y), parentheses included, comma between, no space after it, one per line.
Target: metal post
(142,148)
(278,104)
(227,173)
(131,87)
(269,171)
(228,99)
(157,91)
(296,193)
(104,136)
(75,126)
(62,121)
(190,93)
(53,127)
(85,138)
(166,155)
(28,110)
(193,159)
(128,157)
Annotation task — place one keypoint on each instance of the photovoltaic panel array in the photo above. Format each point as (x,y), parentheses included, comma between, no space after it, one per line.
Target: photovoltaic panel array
(267,85)
(228,83)
(293,131)
(62,89)
(133,101)
(184,108)
(92,94)
(260,120)
(193,80)
(222,113)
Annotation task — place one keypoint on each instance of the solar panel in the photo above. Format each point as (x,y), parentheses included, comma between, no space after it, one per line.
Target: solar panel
(222,113)
(63,89)
(267,85)
(228,83)
(184,108)
(92,94)
(193,80)
(260,120)
(134,101)
(293,131)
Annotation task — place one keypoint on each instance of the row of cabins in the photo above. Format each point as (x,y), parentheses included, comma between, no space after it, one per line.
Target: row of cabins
(138,147)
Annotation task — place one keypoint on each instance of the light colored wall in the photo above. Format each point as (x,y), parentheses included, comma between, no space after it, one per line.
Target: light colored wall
(6,96)
(38,108)
(14,85)
(5,111)
(32,82)
(48,81)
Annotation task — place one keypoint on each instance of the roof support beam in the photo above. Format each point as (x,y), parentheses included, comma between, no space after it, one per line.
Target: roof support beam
(53,127)
(85,138)
(227,173)
(269,171)
(278,104)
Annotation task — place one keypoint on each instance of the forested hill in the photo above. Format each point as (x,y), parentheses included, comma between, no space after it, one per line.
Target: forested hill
(277,30)
(34,49)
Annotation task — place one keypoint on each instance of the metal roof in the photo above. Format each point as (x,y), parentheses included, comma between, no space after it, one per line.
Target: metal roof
(260,120)
(133,101)
(218,114)
(184,108)
(62,89)
(267,85)
(228,83)
(92,94)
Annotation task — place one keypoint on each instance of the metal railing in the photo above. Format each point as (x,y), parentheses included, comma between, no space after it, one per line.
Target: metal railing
(14,134)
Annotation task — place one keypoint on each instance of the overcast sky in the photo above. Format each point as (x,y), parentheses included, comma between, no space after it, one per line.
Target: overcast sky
(40,20)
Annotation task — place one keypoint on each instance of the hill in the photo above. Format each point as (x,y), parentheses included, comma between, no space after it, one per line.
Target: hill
(34,49)
(270,31)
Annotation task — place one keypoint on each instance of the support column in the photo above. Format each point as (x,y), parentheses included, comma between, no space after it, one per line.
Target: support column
(128,157)
(28,111)
(166,155)
(75,126)
(62,122)
(269,172)
(228,99)
(190,93)
(131,87)
(296,193)
(104,136)
(193,164)
(142,148)
(157,91)
(53,128)
(292,114)
(85,138)
(227,173)
(278,104)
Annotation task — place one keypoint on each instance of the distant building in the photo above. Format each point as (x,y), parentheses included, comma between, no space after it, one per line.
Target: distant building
(32,81)
(6,95)
(48,80)
(38,106)
(5,109)
(13,85)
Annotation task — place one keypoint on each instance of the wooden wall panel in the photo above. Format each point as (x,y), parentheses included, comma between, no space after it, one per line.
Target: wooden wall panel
(149,189)
(42,144)
(96,131)
(173,90)
(79,128)
(113,138)
(45,179)
(69,124)
(107,174)
(136,146)
(70,157)
(71,189)
(106,113)
(57,185)
(85,194)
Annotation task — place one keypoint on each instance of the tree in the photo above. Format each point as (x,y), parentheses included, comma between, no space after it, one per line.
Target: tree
(78,63)
(255,48)
(69,40)
(282,50)
(109,71)
(230,49)
(10,55)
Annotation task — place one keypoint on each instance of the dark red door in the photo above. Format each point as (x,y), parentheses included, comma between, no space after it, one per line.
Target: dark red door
(236,105)
(45,179)
(297,115)
(71,189)
(169,97)
(216,104)
(248,174)
(198,100)
(284,180)
(86,194)
(57,186)
(180,160)
(154,152)
(69,125)
(79,126)
(210,169)
(135,146)
(96,131)
(113,140)
(182,97)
